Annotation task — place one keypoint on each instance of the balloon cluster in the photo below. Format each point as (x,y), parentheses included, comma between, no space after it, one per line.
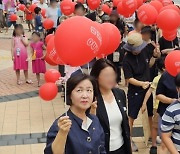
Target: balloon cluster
(163,13)
(49,90)
(78,40)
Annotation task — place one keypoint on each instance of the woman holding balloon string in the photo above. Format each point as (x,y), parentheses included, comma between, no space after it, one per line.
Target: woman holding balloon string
(77,131)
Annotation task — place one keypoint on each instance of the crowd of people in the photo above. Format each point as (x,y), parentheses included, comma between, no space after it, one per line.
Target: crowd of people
(100,118)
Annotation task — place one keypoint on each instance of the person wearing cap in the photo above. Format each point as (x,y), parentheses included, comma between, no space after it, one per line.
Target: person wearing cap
(136,72)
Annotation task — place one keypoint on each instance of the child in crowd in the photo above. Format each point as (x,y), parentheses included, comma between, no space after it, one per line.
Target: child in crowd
(38,20)
(152,89)
(170,126)
(37,48)
(9,9)
(19,53)
(29,17)
(52,13)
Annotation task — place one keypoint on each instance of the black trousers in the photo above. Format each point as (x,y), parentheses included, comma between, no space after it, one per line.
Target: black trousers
(121,150)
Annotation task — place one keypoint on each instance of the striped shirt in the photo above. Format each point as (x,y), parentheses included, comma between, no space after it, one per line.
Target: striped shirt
(171,123)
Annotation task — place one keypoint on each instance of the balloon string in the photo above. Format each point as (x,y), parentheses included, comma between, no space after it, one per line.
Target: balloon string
(157,38)
(178,38)
(65,96)
(88,69)
(81,70)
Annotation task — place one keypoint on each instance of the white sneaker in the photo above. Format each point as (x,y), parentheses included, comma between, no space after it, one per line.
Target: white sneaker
(158,140)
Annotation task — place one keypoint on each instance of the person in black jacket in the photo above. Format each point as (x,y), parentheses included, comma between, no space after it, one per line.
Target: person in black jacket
(111,108)
(137,74)
(77,131)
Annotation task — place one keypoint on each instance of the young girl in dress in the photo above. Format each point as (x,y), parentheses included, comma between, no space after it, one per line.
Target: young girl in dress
(19,53)
(38,54)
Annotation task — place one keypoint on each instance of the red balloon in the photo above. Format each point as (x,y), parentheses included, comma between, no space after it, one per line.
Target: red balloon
(67,7)
(166,2)
(174,7)
(48,37)
(168,20)
(93,4)
(116,2)
(139,3)
(105,40)
(52,75)
(147,14)
(114,37)
(157,5)
(122,11)
(81,1)
(48,91)
(13,17)
(106,9)
(73,50)
(43,12)
(32,7)
(172,62)
(48,24)
(170,35)
(22,7)
(49,61)
(52,52)
(130,6)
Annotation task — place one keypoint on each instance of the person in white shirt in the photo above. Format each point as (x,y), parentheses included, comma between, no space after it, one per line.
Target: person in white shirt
(42,4)
(52,13)
(111,108)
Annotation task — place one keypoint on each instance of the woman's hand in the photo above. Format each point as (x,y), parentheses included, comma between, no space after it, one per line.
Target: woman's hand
(64,124)
(93,108)
(61,81)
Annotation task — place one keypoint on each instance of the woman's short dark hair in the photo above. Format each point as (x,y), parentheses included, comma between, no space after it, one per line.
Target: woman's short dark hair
(74,81)
(177,80)
(99,65)
(37,10)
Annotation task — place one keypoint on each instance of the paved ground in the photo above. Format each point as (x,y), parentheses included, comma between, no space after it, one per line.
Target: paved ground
(7,75)
(24,117)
